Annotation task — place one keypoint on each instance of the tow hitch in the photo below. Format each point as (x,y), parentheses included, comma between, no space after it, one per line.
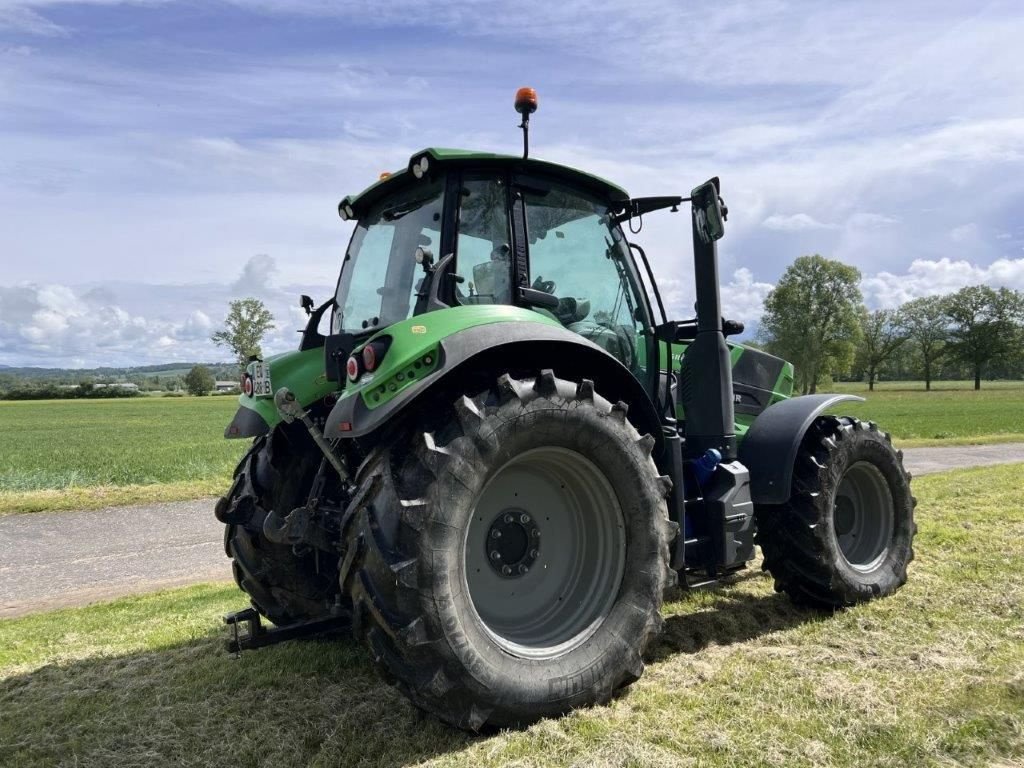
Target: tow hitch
(256,635)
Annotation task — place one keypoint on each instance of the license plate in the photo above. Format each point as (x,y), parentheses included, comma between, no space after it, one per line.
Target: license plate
(261,380)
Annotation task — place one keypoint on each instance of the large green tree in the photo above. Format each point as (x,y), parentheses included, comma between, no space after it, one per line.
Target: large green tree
(927,327)
(199,380)
(247,321)
(985,325)
(882,333)
(812,318)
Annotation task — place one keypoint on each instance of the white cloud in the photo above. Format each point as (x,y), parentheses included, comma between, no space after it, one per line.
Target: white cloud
(256,276)
(134,323)
(794,223)
(964,233)
(17,18)
(935,277)
(866,220)
(742,297)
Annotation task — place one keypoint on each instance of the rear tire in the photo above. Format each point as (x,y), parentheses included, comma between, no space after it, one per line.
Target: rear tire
(846,534)
(441,617)
(276,474)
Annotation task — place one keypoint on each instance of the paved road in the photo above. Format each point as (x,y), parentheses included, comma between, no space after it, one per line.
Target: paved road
(54,559)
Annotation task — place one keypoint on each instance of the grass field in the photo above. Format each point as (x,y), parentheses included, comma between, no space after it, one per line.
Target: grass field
(58,454)
(71,454)
(931,676)
(952,413)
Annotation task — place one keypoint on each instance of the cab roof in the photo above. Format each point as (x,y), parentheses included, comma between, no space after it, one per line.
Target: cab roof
(441,158)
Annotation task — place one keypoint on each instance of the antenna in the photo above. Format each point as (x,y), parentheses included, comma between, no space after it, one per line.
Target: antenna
(526,105)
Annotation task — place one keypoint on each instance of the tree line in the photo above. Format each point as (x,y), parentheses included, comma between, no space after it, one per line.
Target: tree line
(815,317)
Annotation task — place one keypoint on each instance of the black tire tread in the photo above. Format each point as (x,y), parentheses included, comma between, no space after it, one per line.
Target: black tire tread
(380,569)
(284,587)
(792,537)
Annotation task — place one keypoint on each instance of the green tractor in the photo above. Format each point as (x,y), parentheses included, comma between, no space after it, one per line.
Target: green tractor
(502,452)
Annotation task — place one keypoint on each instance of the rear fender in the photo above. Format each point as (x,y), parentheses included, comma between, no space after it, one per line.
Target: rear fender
(771,444)
(469,359)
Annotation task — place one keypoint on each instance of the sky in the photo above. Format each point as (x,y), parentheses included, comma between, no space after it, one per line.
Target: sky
(158,158)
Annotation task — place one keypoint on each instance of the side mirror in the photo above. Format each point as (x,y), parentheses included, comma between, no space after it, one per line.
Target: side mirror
(708,213)
(306,303)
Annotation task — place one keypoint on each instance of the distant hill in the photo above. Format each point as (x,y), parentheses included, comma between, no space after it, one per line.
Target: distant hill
(146,376)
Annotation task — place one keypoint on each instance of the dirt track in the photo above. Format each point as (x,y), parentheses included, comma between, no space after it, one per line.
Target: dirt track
(55,559)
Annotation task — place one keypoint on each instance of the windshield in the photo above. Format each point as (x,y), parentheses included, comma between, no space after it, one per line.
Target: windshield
(380,277)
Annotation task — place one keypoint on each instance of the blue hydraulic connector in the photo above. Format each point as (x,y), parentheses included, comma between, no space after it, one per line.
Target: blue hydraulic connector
(705,466)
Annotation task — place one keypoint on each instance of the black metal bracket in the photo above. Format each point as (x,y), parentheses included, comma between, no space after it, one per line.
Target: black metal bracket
(258,636)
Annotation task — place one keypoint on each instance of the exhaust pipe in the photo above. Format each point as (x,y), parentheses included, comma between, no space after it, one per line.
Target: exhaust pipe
(707,395)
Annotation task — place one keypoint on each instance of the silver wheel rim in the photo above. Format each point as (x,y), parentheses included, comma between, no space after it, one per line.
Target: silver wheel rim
(863,516)
(549,596)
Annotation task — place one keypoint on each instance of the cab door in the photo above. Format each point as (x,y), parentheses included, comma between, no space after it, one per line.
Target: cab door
(484,242)
(578,254)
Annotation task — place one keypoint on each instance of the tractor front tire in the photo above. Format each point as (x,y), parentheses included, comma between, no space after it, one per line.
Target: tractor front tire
(511,565)
(275,474)
(846,535)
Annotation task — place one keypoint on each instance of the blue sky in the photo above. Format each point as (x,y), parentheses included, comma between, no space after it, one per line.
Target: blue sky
(158,158)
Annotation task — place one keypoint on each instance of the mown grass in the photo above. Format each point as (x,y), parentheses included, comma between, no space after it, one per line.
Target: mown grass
(62,454)
(931,676)
(951,414)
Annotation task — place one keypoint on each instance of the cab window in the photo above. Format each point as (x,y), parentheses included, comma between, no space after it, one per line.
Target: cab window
(484,252)
(578,254)
(379,276)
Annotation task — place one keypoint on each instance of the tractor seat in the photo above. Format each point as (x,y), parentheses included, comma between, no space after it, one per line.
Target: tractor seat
(491,279)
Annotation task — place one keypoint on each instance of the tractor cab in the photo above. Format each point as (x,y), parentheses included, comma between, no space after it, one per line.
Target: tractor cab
(458,229)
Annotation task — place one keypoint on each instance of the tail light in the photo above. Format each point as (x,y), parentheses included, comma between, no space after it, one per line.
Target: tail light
(374,352)
(368,360)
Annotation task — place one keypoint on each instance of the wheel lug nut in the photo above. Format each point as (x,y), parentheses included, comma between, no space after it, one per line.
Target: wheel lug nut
(536,533)
(534,553)
(495,556)
(506,570)
(523,569)
(524,518)
(495,534)
(509,519)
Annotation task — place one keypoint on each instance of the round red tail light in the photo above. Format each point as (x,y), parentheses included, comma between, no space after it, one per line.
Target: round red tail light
(369,357)
(352,368)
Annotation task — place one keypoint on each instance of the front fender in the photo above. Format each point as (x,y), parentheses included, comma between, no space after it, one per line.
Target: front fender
(771,444)
(504,345)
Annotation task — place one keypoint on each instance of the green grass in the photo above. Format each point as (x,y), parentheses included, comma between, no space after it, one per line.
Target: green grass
(73,454)
(952,414)
(63,453)
(931,676)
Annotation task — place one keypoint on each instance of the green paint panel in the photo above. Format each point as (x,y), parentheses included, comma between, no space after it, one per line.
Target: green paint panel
(782,389)
(302,372)
(417,340)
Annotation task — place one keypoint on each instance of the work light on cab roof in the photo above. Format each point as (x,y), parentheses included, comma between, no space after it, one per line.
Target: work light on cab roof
(498,449)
